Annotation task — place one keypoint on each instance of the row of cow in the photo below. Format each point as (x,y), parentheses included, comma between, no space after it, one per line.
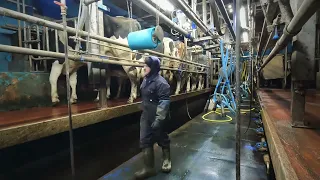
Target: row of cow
(118,28)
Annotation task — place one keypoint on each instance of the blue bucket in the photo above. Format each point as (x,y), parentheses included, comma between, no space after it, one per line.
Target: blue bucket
(143,39)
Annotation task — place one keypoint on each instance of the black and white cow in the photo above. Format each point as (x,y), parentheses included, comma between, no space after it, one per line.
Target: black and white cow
(114,27)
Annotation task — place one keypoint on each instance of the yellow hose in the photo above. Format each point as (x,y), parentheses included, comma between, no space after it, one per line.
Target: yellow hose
(218,111)
(214,120)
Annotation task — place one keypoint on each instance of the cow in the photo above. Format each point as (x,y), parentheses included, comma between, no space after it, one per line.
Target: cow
(116,27)
(195,81)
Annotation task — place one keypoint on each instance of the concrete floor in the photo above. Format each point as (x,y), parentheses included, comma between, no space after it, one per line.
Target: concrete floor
(204,150)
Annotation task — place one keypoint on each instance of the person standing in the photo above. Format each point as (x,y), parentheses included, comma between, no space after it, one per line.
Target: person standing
(155,92)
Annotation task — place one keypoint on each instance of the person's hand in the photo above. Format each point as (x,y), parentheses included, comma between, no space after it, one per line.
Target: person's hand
(156,124)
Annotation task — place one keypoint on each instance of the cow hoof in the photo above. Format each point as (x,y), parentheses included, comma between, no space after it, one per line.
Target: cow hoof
(55,101)
(96,100)
(73,101)
(130,101)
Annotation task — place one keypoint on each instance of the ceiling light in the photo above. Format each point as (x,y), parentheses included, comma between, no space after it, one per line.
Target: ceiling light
(230,10)
(229,6)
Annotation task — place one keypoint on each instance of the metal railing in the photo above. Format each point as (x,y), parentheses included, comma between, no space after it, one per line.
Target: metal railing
(42,26)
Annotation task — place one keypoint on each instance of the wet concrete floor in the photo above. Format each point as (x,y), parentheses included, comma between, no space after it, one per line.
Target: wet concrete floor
(204,150)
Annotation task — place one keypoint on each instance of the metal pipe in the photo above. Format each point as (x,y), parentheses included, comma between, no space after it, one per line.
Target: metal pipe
(28,32)
(204,13)
(266,46)
(248,12)
(47,46)
(238,42)
(25,32)
(66,59)
(211,17)
(285,9)
(19,25)
(36,20)
(150,9)
(306,10)
(115,47)
(68,19)
(194,9)
(35,52)
(88,2)
(38,37)
(285,68)
(225,16)
(264,29)
(56,40)
(216,21)
(192,16)
(82,20)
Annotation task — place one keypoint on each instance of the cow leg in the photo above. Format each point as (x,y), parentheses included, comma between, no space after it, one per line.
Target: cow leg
(133,93)
(200,82)
(73,84)
(178,87)
(133,75)
(120,82)
(108,83)
(54,75)
(194,82)
(188,83)
(108,80)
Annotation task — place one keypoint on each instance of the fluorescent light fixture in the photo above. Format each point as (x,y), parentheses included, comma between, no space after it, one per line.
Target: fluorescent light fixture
(164,4)
(245,36)
(229,6)
(231,10)
(243,17)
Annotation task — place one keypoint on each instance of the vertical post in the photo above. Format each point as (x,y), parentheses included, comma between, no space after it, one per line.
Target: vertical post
(47,47)
(302,67)
(56,40)
(102,89)
(209,63)
(29,38)
(211,19)
(38,44)
(285,68)
(237,12)
(25,35)
(19,25)
(204,12)
(194,9)
(65,34)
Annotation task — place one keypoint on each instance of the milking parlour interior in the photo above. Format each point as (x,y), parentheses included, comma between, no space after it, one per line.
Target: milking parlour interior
(160,89)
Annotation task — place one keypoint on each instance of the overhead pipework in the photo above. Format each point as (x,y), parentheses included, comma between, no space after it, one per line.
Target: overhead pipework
(215,16)
(225,16)
(193,16)
(306,10)
(39,21)
(152,10)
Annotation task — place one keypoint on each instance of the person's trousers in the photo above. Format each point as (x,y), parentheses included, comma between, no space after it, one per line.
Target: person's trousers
(149,136)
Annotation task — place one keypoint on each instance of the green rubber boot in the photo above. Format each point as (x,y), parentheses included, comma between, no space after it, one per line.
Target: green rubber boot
(148,170)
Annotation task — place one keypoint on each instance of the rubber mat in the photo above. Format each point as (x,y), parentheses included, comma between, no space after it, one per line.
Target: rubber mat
(203,150)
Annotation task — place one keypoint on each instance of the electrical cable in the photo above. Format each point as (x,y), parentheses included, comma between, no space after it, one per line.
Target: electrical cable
(188,109)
